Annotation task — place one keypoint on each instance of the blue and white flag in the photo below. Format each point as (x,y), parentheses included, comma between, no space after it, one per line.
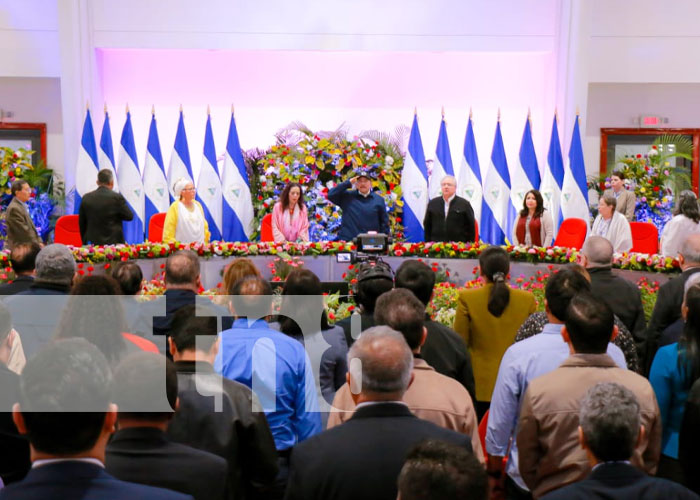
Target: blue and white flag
(553,177)
(105,155)
(180,165)
(237,216)
(526,174)
(131,183)
(443,161)
(414,186)
(155,185)
(209,185)
(469,179)
(574,191)
(86,168)
(497,211)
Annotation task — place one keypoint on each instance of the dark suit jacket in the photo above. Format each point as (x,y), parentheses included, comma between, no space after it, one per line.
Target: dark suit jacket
(366,321)
(18,285)
(14,454)
(79,480)
(621,482)
(100,217)
(689,439)
(20,228)
(362,458)
(145,455)
(447,352)
(458,226)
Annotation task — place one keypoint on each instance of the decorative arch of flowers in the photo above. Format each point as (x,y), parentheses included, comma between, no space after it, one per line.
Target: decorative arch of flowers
(320,160)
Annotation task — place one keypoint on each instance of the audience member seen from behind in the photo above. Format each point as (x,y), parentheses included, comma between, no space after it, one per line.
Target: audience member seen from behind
(689,439)
(102,212)
(443,349)
(185,221)
(612,225)
(487,318)
(431,396)
(548,455)
(436,469)
(307,322)
(610,428)
(93,314)
(23,262)
(66,410)
(129,277)
(290,219)
(534,226)
(373,279)
(237,430)
(145,392)
(363,457)
(674,370)
(685,221)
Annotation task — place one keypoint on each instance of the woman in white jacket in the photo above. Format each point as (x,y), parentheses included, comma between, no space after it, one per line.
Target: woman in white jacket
(685,221)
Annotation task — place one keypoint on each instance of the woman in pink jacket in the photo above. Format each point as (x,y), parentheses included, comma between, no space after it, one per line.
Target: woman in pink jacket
(290,219)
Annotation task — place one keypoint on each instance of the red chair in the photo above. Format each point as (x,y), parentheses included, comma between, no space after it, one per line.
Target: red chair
(645,237)
(483,425)
(155,227)
(572,233)
(67,231)
(266,229)
(476,231)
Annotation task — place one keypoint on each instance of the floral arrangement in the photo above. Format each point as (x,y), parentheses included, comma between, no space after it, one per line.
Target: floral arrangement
(320,160)
(282,266)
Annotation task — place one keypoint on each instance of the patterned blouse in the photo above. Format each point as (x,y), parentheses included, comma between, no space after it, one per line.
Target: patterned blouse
(536,321)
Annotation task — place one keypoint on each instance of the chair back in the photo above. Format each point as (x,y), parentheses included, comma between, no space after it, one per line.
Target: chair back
(155,227)
(67,231)
(572,233)
(266,228)
(645,237)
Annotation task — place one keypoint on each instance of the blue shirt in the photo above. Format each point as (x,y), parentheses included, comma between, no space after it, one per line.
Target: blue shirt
(521,363)
(360,213)
(671,391)
(277,370)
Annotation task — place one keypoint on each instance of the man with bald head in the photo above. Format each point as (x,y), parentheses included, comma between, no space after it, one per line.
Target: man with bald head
(363,457)
(670,297)
(449,217)
(621,295)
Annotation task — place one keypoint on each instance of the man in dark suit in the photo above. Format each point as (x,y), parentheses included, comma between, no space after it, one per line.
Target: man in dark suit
(65,409)
(362,458)
(23,261)
(102,212)
(449,217)
(610,428)
(140,451)
(20,228)
(444,350)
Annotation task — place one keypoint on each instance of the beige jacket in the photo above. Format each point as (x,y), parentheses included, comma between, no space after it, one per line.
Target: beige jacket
(549,454)
(433,397)
(625,203)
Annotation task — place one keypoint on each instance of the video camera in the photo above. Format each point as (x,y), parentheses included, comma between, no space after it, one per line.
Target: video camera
(370,247)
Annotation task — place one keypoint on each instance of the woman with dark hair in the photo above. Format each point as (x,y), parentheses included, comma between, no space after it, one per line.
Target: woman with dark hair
(685,221)
(626,200)
(674,370)
(488,318)
(303,317)
(93,313)
(534,226)
(290,219)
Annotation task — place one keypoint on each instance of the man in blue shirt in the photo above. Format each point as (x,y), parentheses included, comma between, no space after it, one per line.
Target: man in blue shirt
(363,210)
(273,365)
(523,362)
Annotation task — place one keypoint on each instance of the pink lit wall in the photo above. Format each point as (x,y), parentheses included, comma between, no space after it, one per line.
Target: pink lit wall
(363,90)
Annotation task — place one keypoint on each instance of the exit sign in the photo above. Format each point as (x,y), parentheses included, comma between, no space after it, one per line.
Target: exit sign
(652,121)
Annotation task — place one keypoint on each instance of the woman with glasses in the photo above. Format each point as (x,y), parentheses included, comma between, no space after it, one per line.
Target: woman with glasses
(185,220)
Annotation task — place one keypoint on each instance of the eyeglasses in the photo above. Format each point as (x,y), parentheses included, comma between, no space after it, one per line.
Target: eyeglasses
(190,189)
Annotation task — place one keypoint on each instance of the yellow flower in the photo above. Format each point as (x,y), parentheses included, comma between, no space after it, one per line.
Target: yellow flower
(18,171)
(643,190)
(309,160)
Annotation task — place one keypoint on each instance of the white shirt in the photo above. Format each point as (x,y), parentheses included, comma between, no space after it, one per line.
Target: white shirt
(675,231)
(49,461)
(447,204)
(190,224)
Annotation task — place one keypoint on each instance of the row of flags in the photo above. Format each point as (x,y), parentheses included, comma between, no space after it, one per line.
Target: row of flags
(498,195)
(224,196)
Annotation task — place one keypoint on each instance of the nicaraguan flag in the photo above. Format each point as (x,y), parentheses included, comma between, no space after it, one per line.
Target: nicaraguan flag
(497,211)
(86,167)
(180,165)
(155,185)
(237,216)
(574,191)
(526,175)
(553,177)
(105,155)
(414,186)
(131,183)
(443,161)
(209,185)
(469,179)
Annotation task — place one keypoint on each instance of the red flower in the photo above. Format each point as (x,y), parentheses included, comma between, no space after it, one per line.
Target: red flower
(639,156)
(656,188)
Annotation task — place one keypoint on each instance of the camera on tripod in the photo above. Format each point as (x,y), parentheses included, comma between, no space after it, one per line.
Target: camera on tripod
(369,248)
